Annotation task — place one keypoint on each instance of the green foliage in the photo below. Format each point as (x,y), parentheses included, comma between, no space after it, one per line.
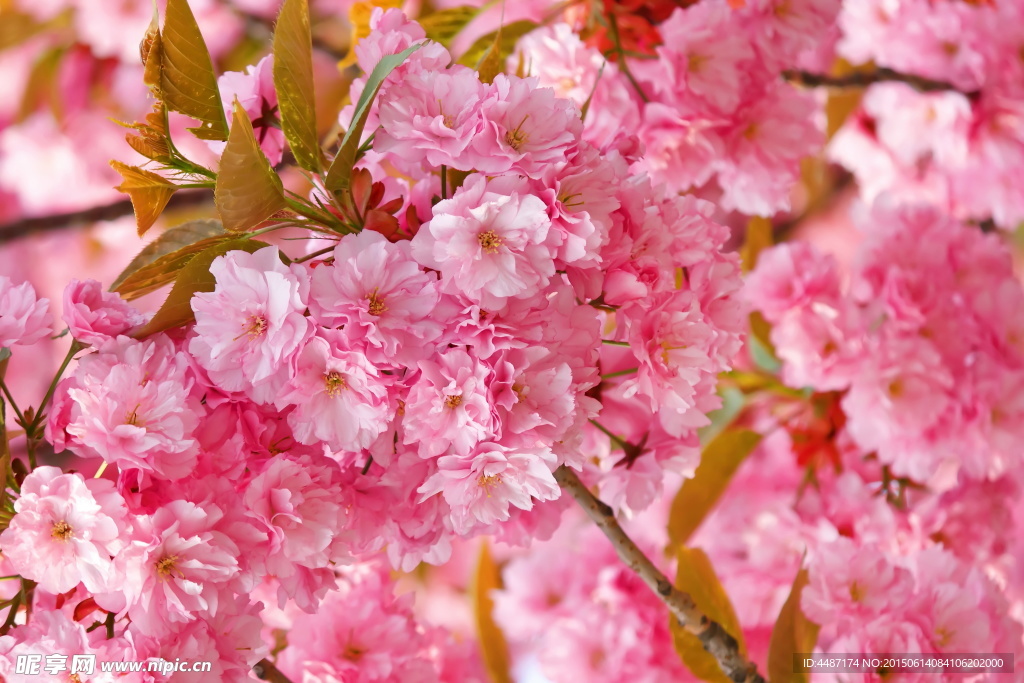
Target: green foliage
(248,190)
(194,277)
(695,576)
(339,176)
(187,81)
(793,632)
(293,80)
(505,38)
(148,191)
(443,25)
(718,463)
(159,262)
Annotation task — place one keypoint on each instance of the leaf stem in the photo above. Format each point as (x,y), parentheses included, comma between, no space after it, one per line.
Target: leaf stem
(719,643)
(620,373)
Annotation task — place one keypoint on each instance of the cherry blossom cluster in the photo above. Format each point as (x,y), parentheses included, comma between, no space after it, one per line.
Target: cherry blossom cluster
(707,102)
(405,389)
(960,148)
(925,341)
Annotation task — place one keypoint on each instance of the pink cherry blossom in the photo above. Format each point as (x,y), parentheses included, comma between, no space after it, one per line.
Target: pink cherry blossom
(380,296)
(340,398)
(525,128)
(487,246)
(481,485)
(94,316)
(130,404)
(254,91)
(448,407)
(24,318)
(65,530)
(175,566)
(431,117)
(251,327)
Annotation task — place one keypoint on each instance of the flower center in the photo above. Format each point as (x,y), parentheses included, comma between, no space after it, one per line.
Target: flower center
(165,566)
(448,121)
(61,531)
(255,326)
(856,592)
(353,653)
(516,137)
(488,482)
(132,418)
(453,401)
(334,383)
(489,241)
(376,305)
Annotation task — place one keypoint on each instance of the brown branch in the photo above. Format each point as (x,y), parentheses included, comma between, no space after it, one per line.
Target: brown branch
(109,212)
(720,644)
(266,671)
(862,79)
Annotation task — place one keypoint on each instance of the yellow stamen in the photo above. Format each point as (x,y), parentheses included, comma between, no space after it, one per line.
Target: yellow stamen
(453,401)
(489,242)
(62,531)
(334,383)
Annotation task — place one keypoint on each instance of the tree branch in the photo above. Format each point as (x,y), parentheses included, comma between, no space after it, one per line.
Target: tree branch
(863,79)
(720,644)
(109,212)
(266,671)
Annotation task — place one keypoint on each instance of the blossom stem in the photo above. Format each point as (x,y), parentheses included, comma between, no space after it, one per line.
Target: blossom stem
(864,79)
(318,252)
(444,182)
(100,470)
(10,401)
(621,443)
(619,373)
(30,430)
(613,27)
(266,671)
(614,343)
(719,643)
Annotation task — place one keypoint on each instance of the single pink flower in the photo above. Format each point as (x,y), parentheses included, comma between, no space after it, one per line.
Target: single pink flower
(526,129)
(251,327)
(24,318)
(94,316)
(481,485)
(380,296)
(448,406)
(130,404)
(65,531)
(340,398)
(488,246)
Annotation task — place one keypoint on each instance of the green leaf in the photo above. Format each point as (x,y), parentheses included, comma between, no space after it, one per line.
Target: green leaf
(442,26)
(159,261)
(695,576)
(697,496)
(5,353)
(510,34)
(493,647)
(148,191)
(194,277)
(793,632)
(340,173)
(293,80)
(492,63)
(187,80)
(248,190)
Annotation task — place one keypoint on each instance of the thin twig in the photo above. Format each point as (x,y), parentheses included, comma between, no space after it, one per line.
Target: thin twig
(720,644)
(109,212)
(862,79)
(266,671)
